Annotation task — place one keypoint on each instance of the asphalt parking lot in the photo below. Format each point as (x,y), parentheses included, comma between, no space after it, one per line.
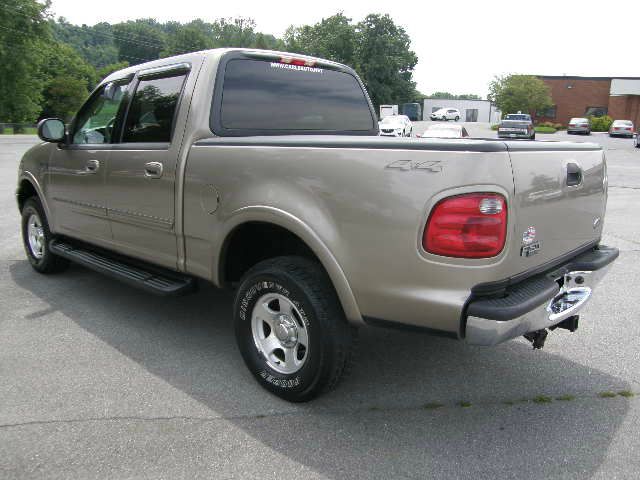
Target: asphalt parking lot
(102,381)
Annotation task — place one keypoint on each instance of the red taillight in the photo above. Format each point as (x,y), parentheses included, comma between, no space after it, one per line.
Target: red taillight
(616,128)
(301,62)
(473,225)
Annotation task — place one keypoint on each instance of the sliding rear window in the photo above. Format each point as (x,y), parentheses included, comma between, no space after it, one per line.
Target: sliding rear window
(264,98)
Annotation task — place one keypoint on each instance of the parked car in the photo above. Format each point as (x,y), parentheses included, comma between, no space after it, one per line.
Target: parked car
(446,114)
(522,117)
(444,131)
(520,127)
(395,126)
(208,169)
(621,128)
(579,125)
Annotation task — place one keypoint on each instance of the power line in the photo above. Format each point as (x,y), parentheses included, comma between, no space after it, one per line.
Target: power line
(104,34)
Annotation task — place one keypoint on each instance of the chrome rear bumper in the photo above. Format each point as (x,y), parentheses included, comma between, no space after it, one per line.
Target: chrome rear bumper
(573,289)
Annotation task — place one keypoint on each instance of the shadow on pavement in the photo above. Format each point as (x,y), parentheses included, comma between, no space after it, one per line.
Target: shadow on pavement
(376,423)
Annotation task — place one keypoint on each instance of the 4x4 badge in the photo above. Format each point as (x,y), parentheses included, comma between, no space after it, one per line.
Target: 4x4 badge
(429,165)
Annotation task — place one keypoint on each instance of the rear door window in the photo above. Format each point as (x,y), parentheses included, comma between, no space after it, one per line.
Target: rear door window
(263,97)
(152,111)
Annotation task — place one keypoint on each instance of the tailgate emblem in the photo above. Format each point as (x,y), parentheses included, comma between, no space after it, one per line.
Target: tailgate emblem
(529,235)
(530,246)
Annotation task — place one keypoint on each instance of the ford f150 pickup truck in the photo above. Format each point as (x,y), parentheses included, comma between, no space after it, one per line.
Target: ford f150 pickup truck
(263,172)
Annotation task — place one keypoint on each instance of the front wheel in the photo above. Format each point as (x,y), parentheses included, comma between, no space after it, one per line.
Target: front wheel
(36,237)
(457,118)
(290,328)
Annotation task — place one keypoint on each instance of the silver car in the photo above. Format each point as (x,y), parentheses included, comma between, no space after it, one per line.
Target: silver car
(621,128)
(579,125)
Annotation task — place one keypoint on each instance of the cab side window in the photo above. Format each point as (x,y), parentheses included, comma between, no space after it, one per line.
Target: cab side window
(152,111)
(95,121)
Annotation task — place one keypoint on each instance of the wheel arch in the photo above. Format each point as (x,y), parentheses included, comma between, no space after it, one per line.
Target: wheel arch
(291,227)
(28,186)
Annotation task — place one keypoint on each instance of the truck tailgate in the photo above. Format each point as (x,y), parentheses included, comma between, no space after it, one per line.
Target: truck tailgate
(560,199)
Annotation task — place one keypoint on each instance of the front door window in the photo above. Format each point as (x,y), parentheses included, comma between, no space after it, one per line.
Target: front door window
(96,120)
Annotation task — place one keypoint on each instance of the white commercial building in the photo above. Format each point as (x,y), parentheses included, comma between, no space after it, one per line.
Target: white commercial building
(470,110)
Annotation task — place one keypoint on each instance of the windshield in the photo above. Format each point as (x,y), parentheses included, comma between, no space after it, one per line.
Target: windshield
(391,119)
(513,116)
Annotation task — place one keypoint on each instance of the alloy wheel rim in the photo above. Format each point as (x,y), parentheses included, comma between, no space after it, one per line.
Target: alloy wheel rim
(279,333)
(35,234)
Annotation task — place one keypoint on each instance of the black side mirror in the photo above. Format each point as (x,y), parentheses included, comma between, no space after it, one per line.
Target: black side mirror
(51,130)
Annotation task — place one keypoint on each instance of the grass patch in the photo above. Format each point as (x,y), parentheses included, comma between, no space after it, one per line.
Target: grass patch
(606,394)
(540,129)
(626,393)
(542,399)
(565,398)
(494,127)
(464,404)
(432,405)
(25,131)
(374,408)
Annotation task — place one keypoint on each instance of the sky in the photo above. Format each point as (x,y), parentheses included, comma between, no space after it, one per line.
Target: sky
(461,44)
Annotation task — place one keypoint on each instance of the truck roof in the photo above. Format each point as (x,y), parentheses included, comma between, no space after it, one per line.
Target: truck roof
(215,52)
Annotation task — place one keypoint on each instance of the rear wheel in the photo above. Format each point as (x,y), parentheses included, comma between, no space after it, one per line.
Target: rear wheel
(290,328)
(36,237)
(457,118)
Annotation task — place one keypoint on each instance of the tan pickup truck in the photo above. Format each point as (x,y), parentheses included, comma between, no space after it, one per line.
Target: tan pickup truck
(262,171)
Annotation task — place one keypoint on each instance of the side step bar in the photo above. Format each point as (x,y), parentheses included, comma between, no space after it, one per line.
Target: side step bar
(147,277)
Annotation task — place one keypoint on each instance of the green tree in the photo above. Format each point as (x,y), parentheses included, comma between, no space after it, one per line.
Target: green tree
(107,70)
(139,40)
(24,30)
(191,37)
(334,38)
(376,47)
(385,60)
(525,93)
(68,79)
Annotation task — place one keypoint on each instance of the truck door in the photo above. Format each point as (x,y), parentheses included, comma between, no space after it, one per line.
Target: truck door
(76,186)
(142,168)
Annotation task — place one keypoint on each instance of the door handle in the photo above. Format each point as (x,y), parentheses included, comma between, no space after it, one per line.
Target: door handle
(153,170)
(574,174)
(92,166)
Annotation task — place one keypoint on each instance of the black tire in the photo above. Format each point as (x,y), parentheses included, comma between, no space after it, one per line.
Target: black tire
(43,261)
(330,338)
(457,118)
(533,137)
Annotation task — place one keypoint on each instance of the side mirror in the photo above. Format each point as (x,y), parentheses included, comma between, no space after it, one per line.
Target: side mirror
(51,130)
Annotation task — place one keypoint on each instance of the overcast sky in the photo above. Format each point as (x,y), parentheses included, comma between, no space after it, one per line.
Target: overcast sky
(461,44)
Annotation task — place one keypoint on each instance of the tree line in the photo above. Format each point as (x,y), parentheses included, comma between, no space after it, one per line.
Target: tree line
(48,65)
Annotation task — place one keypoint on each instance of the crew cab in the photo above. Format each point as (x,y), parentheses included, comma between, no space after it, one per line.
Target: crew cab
(178,171)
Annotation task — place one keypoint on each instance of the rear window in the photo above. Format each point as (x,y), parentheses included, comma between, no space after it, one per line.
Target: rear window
(267,97)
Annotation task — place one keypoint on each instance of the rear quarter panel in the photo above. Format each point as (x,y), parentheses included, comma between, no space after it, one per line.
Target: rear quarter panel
(368,216)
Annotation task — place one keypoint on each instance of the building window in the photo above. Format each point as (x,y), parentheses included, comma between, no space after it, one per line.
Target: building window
(548,113)
(595,112)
